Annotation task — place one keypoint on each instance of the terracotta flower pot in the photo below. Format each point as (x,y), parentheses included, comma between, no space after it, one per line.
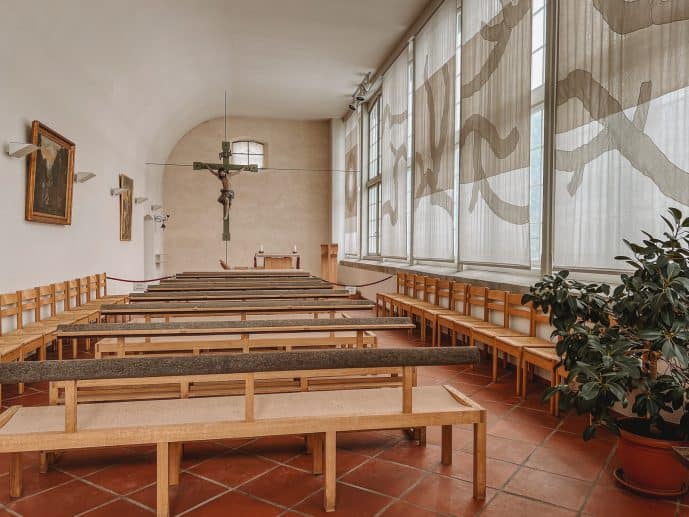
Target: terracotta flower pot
(649,465)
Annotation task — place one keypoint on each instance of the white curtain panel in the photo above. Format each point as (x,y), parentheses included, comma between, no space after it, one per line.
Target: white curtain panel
(434,78)
(394,152)
(622,142)
(352,184)
(495,132)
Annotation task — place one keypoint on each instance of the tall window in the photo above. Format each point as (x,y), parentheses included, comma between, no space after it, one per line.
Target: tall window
(410,143)
(246,152)
(536,160)
(373,185)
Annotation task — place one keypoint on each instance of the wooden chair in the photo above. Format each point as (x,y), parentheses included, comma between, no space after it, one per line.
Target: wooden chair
(439,292)
(514,345)
(517,323)
(548,360)
(418,301)
(459,306)
(103,291)
(383,300)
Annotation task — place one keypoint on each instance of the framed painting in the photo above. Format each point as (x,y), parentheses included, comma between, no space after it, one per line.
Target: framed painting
(126,201)
(51,177)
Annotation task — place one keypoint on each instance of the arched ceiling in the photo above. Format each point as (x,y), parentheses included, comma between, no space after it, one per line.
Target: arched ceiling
(163,65)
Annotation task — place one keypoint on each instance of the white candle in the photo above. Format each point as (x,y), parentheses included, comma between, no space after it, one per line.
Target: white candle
(260,248)
(294,249)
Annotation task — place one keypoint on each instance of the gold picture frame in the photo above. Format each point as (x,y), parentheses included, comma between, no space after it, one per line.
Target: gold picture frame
(50,179)
(126,207)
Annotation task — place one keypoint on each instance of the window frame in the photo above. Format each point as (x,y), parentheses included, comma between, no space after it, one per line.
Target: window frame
(374,181)
(248,154)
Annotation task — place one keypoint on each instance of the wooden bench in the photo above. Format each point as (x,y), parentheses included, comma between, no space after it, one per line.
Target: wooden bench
(239,285)
(269,294)
(167,310)
(123,332)
(170,423)
(245,273)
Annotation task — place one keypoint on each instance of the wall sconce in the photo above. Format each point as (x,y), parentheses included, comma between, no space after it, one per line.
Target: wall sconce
(118,191)
(139,200)
(83,177)
(21,149)
(162,219)
(155,208)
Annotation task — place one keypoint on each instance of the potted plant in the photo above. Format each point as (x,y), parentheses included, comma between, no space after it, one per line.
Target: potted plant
(630,345)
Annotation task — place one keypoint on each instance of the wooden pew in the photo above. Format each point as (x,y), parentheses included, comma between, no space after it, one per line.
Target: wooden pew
(168,310)
(243,329)
(258,294)
(245,273)
(170,423)
(239,285)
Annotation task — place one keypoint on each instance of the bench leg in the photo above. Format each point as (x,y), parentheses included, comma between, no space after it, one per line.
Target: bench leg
(330,471)
(480,461)
(74,348)
(446,445)
(163,480)
(16,468)
(317,452)
(175,462)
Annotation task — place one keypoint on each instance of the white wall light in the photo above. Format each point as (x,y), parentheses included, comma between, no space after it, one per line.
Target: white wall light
(139,200)
(118,191)
(21,149)
(155,208)
(83,176)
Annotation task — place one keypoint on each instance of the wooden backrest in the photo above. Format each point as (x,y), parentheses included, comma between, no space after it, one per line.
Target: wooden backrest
(519,316)
(458,297)
(476,302)
(102,285)
(60,297)
(409,281)
(94,287)
(430,288)
(443,293)
(419,287)
(72,294)
(540,323)
(10,309)
(401,282)
(46,298)
(29,301)
(496,307)
(83,290)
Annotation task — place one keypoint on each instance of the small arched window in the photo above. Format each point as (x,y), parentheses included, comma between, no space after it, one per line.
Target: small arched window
(246,152)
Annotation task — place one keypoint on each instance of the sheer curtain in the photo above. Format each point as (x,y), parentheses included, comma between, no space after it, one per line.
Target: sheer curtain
(622,142)
(434,135)
(394,158)
(352,177)
(495,132)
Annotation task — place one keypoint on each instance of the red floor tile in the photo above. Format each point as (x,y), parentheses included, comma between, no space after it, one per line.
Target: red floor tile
(402,509)
(368,443)
(445,495)
(65,500)
(505,449)
(497,471)
(284,485)
(514,506)
(384,476)
(610,499)
(521,431)
(233,468)
(126,477)
(344,462)
(235,503)
(550,488)
(33,482)
(190,492)
(278,448)
(119,508)
(350,501)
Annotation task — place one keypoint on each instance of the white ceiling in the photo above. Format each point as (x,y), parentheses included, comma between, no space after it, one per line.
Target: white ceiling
(163,65)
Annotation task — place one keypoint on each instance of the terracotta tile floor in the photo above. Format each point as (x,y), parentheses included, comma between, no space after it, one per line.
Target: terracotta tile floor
(538,465)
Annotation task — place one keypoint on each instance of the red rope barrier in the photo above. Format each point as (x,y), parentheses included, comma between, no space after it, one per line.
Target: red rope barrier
(139,281)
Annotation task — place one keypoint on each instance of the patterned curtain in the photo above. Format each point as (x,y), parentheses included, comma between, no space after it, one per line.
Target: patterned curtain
(495,132)
(434,78)
(394,154)
(622,126)
(352,176)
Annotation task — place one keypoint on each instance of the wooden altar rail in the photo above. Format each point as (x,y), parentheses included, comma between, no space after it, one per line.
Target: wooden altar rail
(268,294)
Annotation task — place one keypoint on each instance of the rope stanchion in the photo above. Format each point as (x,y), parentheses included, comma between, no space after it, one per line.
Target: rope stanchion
(364,285)
(139,281)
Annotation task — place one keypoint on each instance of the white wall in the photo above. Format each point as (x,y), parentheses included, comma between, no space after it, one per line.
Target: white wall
(278,209)
(337,164)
